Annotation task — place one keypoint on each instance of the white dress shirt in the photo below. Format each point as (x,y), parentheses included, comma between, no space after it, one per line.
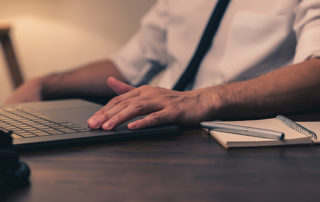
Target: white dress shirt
(254,37)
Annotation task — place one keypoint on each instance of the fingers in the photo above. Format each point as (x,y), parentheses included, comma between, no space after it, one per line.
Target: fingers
(114,106)
(121,101)
(156,118)
(162,105)
(120,109)
(119,87)
(108,119)
(131,111)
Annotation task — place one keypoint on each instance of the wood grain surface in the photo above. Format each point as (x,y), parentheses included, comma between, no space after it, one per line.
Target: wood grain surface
(186,167)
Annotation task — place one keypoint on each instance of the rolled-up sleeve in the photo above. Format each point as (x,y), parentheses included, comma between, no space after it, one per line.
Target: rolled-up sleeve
(307,29)
(146,48)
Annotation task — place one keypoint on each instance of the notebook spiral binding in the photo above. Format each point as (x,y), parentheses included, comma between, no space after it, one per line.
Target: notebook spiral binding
(297,127)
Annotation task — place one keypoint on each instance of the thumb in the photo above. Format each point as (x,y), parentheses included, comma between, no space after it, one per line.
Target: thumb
(119,87)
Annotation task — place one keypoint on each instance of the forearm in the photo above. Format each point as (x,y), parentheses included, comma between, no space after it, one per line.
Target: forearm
(291,89)
(86,81)
(287,90)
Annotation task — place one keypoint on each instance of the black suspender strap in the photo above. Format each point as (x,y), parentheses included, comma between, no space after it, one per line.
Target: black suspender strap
(204,45)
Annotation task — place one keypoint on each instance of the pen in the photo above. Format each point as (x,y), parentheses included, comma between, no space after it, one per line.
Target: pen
(243,130)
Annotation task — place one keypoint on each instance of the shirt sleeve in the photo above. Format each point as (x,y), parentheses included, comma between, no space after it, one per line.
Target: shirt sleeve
(307,29)
(147,48)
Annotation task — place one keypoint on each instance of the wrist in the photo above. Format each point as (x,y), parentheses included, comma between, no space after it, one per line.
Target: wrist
(212,101)
(220,100)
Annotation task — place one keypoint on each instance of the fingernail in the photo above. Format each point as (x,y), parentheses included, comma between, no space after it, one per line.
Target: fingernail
(94,122)
(108,125)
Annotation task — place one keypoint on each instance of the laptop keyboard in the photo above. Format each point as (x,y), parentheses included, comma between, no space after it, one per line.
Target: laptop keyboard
(26,123)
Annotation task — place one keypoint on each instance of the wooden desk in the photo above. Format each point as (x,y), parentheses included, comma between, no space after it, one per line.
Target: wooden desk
(187,167)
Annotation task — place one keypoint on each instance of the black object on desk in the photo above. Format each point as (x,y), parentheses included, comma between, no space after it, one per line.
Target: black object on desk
(13,172)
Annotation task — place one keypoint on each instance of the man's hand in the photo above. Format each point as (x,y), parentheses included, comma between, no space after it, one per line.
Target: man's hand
(30,91)
(159,104)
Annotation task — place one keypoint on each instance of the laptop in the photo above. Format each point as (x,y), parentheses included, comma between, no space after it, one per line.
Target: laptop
(57,123)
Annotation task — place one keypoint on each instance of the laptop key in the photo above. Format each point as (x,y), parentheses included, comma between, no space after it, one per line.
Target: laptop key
(27,134)
(15,136)
(26,123)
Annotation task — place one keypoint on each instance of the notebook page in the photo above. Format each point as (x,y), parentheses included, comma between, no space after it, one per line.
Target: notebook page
(234,140)
(291,136)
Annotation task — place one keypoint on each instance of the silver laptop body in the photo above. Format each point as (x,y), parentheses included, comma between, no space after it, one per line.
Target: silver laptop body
(56,123)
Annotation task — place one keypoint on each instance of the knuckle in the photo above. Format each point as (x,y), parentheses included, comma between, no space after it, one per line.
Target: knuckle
(105,116)
(138,106)
(101,116)
(144,122)
(154,117)
(99,113)
(117,118)
(144,99)
(115,100)
(146,89)
(125,103)
(143,87)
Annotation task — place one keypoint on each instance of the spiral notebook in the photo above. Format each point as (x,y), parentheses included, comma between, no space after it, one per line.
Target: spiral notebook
(295,133)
